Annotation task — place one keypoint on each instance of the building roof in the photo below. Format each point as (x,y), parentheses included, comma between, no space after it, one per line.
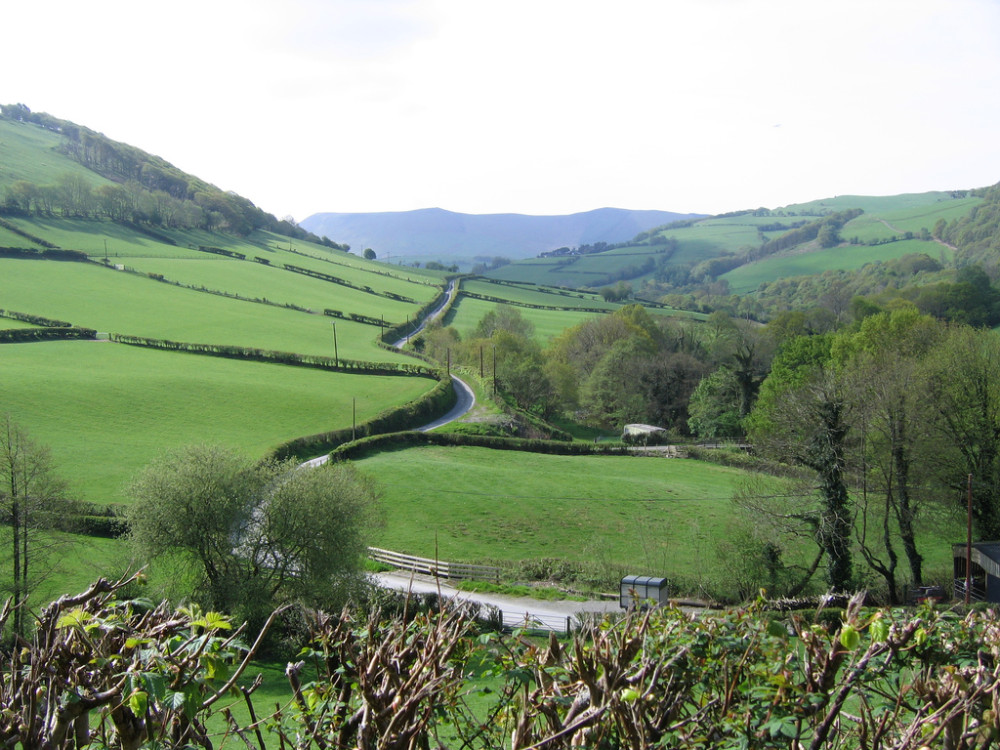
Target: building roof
(984,554)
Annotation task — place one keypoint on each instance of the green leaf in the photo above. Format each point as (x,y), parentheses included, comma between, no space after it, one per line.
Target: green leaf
(155,684)
(879,630)
(138,701)
(217,621)
(776,629)
(629,695)
(849,637)
(74,618)
(174,700)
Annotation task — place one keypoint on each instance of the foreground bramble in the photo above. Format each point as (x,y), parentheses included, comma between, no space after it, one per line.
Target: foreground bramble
(107,673)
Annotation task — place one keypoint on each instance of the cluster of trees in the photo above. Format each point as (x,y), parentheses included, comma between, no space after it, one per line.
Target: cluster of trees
(894,420)
(134,203)
(629,366)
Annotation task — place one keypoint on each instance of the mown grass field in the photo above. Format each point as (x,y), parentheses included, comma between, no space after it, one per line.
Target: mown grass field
(255,281)
(12,323)
(476,504)
(613,514)
(106,410)
(98,297)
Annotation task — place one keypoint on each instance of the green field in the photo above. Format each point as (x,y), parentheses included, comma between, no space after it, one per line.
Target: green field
(93,296)
(747,278)
(619,514)
(531,294)
(106,410)
(475,504)
(871,204)
(256,281)
(29,153)
(466,313)
(9,323)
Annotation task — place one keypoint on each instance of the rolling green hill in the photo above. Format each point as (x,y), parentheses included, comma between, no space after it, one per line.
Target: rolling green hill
(750,248)
(105,408)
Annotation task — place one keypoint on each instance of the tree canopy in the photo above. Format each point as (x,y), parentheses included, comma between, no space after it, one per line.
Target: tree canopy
(246,535)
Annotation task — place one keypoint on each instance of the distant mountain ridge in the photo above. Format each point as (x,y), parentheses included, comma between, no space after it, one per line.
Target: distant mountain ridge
(437,232)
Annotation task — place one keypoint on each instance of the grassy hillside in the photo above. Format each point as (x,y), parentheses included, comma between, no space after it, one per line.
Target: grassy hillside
(107,409)
(30,153)
(609,515)
(673,258)
(746,279)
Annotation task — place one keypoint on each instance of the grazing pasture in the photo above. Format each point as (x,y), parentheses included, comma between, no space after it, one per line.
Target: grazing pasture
(843,257)
(102,298)
(475,504)
(107,409)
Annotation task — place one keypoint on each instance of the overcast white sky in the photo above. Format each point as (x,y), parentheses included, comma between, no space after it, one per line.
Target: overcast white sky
(527,106)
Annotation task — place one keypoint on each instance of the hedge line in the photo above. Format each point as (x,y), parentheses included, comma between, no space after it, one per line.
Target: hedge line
(37,320)
(52,253)
(356,317)
(221,251)
(396,440)
(337,280)
(27,235)
(283,358)
(375,271)
(22,335)
(514,303)
(409,417)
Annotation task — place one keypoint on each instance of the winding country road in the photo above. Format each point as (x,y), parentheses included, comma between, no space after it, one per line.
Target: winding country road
(548,615)
(465,400)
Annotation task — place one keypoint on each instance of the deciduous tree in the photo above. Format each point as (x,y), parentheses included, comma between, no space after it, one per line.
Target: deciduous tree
(29,496)
(244,535)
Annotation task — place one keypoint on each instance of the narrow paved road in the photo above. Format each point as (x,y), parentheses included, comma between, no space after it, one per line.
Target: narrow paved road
(466,398)
(537,613)
(434,314)
(463,405)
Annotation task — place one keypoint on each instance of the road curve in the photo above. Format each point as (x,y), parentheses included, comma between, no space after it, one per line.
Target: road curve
(434,314)
(466,398)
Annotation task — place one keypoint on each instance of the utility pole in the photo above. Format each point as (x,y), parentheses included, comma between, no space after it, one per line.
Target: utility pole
(336,352)
(968,544)
(354,418)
